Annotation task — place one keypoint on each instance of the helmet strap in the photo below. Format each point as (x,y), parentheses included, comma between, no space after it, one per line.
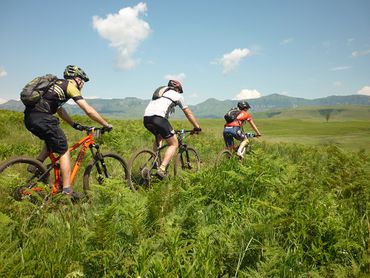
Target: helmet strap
(77,83)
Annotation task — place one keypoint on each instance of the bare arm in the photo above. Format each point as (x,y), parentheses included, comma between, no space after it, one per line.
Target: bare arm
(64,115)
(253,125)
(91,112)
(189,115)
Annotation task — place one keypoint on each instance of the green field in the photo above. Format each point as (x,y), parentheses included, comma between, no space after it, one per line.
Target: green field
(351,134)
(298,207)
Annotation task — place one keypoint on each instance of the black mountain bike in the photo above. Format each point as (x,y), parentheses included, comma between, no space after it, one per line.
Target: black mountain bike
(144,163)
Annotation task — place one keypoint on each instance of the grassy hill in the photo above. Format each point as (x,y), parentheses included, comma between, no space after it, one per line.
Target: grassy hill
(133,108)
(288,210)
(320,113)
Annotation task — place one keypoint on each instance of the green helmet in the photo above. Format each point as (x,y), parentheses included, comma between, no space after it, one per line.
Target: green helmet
(72,71)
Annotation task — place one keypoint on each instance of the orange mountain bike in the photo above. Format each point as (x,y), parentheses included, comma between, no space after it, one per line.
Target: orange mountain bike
(25,176)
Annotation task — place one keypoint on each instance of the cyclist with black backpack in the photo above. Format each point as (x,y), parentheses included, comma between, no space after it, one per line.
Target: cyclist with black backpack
(235,119)
(40,120)
(156,116)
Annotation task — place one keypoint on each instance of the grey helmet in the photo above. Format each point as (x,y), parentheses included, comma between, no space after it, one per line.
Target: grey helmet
(176,85)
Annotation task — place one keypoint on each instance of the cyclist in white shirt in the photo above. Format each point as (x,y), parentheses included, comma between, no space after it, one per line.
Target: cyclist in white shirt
(156,121)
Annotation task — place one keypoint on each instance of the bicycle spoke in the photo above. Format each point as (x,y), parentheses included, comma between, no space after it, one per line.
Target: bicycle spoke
(21,178)
(187,161)
(223,156)
(111,167)
(142,168)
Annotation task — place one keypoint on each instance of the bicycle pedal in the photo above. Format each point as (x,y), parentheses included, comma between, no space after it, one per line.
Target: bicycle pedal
(145,173)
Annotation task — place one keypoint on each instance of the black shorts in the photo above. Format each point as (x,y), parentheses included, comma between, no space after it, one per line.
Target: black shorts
(159,126)
(46,127)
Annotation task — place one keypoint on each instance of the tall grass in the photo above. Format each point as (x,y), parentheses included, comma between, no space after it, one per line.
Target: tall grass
(286,211)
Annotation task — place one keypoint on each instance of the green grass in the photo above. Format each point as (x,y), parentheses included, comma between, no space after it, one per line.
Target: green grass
(351,135)
(298,208)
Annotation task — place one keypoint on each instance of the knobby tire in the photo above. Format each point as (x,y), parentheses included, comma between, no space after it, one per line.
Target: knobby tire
(142,168)
(17,178)
(117,168)
(224,155)
(182,164)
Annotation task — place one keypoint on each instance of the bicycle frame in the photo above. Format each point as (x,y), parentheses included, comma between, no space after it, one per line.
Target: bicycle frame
(182,146)
(85,143)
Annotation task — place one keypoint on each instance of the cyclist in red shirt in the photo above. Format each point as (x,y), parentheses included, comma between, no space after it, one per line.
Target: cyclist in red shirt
(234,129)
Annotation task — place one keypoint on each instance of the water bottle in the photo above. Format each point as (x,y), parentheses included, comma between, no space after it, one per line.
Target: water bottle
(182,133)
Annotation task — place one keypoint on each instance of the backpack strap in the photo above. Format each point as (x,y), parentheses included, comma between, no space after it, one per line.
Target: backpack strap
(174,102)
(167,89)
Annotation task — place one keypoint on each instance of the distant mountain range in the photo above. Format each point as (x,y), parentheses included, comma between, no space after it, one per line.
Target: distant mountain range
(132,107)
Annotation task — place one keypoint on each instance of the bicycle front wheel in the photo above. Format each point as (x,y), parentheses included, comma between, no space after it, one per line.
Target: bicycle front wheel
(21,177)
(143,166)
(223,156)
(110,166)
(187,161)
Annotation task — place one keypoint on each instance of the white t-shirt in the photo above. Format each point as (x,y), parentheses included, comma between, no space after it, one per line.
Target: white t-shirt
(163,106)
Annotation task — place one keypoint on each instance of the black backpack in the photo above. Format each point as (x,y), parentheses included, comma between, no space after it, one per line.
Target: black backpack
(33,91)
(158,93)
(232,114)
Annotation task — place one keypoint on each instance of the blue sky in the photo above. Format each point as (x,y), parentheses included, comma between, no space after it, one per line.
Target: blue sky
(217,49)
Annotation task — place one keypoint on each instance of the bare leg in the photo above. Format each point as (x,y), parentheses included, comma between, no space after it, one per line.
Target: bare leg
(171,150)
(243,144)
(158,142)
(41,157)
(43,154)
(65,167)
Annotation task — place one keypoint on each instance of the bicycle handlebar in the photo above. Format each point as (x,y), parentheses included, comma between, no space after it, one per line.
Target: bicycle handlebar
(96,130)
(251,135)
(183,131)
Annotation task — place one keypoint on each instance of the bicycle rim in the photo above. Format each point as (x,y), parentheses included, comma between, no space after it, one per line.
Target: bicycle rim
(223,156)
(20,178)
(143,167)
(187,161)
(115,168)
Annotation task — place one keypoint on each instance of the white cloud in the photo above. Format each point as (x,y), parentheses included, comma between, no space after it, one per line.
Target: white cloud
(340,68)
(360,53)
(247,94)
(2,100)
(179,77)
(337,83)
(3,72)
(125,31)
(350,41)
(364,91)
(231,60)
(286,41)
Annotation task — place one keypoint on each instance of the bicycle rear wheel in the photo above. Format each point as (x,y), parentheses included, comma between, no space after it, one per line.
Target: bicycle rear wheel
(143,166)
(110,166)
(22,178)
(187,161)
(223,156)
